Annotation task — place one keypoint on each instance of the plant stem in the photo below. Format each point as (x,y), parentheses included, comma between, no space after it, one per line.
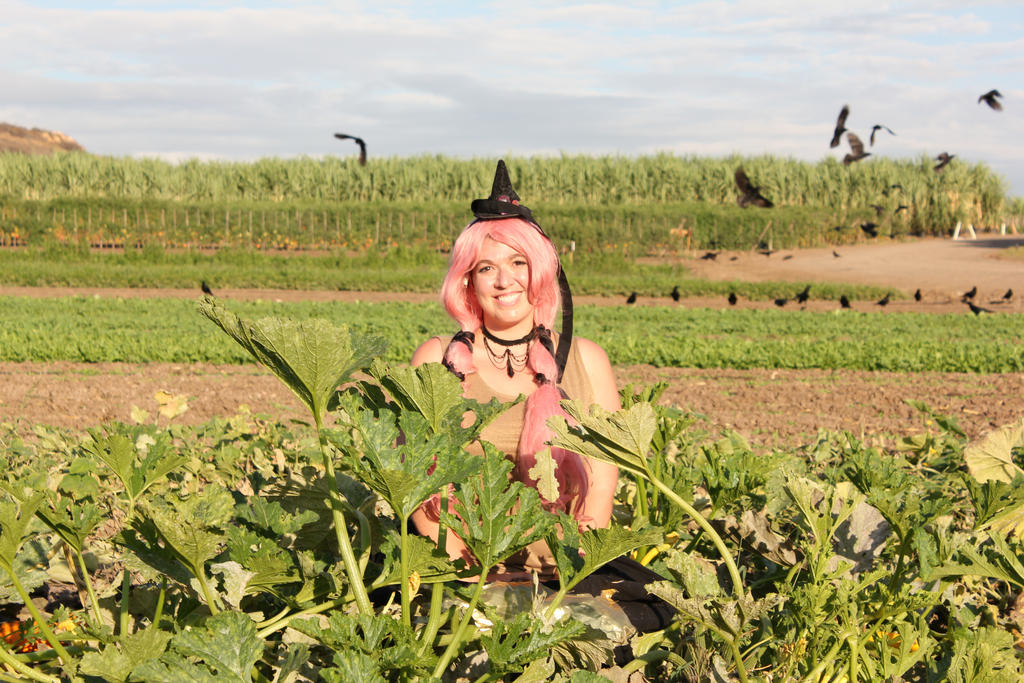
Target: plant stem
(437,590)
(23,669)
(200,574)
(159,613)
(723,550)
(453,646)
(93,601)
(41,623)
(355,578)
(282,621)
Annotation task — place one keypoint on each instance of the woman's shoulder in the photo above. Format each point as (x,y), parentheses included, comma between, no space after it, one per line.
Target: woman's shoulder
(430,351)
(589,351)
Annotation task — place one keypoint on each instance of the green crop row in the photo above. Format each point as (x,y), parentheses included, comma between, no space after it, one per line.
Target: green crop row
(398,269)
(169,330)
(641,205)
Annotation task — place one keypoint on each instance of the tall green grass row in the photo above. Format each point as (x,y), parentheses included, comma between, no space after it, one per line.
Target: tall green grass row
(973,189)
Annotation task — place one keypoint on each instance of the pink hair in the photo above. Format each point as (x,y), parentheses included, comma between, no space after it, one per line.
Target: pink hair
(459,300)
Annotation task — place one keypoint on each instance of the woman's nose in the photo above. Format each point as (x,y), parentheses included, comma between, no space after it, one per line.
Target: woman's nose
(502,279)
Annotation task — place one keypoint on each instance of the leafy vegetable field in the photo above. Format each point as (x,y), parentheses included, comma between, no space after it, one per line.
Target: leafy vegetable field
(251,550)
(168,330)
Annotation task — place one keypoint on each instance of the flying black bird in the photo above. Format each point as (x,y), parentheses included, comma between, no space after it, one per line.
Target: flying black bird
(840,126)
(835,253)
(675,293)
(899,208)
(976,310)
(804,295)
(631,299)
(750,195)
(766,252)
(870,229)
(844,302)
(877,127)
(879,209)
(970,294)
(917,295)
(884,301)
(205,287)
(943,159)
(732,298)
(358,141)
(856,149)
(781,302)
(709,256)
(989,98)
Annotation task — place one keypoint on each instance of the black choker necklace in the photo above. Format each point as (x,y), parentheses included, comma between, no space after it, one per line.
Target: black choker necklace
(509,342)
(511,362)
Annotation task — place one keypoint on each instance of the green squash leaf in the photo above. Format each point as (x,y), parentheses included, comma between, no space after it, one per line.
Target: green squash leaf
(311,357)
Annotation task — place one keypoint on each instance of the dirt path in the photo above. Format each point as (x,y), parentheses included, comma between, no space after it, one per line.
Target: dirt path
(768,406)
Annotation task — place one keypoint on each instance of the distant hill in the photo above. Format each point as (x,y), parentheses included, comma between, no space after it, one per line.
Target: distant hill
(35,140)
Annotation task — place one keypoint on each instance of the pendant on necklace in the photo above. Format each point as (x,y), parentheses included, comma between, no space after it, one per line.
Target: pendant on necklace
(508,366)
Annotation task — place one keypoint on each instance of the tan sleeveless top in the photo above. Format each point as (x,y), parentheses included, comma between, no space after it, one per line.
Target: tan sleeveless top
(504,431)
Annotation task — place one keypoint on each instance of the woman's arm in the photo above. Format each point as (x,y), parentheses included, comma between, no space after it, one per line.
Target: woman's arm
(604,478)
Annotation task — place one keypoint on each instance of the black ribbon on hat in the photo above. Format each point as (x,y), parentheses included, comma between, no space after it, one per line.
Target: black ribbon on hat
(504,203)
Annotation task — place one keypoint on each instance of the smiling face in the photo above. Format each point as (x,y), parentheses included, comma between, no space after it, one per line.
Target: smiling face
(501,280)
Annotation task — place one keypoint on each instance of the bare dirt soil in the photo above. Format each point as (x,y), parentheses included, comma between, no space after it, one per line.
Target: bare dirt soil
(769,407)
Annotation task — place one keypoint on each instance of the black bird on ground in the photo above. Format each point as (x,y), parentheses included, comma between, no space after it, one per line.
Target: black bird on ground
(205,287)
(732,298)
(781,302)
(750,194)
(733,258)
(977,310)
(837,135)
(675,293)
(877,127)
(989,98)
(884,301)
(844,302)
(835,253)
(901,207)
(856,150)
(870,229)
(709,256)
(917,295)
(943,159)
(631,299)
(1008,295)
(894,186)
(971,293)
(787,257)
(358,141)
(804,295)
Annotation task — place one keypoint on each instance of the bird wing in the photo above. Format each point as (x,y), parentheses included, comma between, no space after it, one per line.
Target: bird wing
(743,182)
(856,146)
(840,126)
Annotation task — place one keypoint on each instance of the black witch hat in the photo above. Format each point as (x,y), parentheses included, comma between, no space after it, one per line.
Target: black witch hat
(504,203)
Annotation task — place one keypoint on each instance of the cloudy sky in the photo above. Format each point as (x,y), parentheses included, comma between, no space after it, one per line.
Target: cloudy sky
(218,79)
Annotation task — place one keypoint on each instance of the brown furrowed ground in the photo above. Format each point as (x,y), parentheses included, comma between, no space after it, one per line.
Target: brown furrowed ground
(770,407)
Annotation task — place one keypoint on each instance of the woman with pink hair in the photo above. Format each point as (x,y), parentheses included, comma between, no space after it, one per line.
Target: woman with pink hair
(504,287)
